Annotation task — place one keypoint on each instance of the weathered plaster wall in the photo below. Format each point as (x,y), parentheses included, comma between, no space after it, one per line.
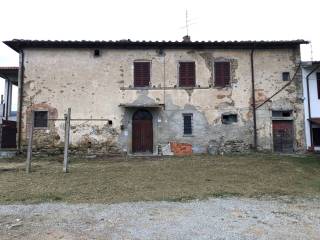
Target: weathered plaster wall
(268,69)
(94,87)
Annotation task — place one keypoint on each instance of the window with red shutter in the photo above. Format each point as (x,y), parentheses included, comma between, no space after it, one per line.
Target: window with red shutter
(142,74)
(318,84)
(221,74)
(187,74)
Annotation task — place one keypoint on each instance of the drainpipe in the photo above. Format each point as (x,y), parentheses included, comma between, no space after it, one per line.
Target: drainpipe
(253,102)
(309,108)
(20,97)
(164,81)
(6,113)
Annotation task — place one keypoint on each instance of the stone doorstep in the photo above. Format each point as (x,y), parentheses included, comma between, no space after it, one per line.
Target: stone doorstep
(143,155)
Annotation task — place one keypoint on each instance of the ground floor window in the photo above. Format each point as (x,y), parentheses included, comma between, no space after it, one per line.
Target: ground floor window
(187,124)
(229,118)
(316,136)
(41,119)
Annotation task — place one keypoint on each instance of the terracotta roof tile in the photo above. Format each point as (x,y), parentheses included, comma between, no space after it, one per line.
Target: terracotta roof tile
(18,44)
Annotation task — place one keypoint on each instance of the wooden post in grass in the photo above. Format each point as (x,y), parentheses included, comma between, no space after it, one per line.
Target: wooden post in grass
(29,153)
(67,118)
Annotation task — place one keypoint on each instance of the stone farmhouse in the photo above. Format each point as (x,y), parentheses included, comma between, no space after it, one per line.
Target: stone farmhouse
(140,97)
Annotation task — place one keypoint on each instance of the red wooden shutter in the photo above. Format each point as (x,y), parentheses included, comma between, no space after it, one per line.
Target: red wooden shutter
(222,73)
(187,74)
(141,74)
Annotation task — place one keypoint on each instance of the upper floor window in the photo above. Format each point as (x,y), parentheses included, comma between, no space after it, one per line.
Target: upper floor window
(141,74)
(318,84)
(187,74)
(221,74)
(96,53)
(41,119)
(285,76)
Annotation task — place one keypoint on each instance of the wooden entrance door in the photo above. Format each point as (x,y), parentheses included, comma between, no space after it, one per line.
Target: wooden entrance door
(142,132)
(282,136)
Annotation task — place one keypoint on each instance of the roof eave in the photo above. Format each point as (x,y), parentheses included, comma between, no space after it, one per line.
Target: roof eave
(310,63)
(12,45)
(18,45)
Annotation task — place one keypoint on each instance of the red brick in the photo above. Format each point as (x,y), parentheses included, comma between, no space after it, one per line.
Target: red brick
(181,149)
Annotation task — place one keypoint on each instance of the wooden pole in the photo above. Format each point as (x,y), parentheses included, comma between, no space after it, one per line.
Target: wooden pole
(29,153)
(67,118)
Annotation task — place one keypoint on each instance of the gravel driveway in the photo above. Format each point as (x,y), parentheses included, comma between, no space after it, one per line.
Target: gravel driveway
(219,218)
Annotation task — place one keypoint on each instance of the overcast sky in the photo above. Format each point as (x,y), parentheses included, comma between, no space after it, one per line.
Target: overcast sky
(159,20)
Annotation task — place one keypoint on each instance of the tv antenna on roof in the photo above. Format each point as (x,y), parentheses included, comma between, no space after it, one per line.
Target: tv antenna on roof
(188,23)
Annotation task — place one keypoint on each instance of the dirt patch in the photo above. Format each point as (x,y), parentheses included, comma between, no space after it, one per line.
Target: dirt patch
(114,180)
(219,218)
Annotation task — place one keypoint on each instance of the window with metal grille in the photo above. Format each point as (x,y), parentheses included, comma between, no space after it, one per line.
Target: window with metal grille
(229,118)
(141,74)
(187,74)
(282,113)
(187,124)
(285,76)
(318,84)
(41,119)
(221,74)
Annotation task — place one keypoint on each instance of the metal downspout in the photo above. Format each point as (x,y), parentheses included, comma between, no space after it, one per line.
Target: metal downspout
(6,113)
(164,80)
(253,102)
(20,86)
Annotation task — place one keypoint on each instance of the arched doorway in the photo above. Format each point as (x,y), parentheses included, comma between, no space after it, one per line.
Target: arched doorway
(142,132)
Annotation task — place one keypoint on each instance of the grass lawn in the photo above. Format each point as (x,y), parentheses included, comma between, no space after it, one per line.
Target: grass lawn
(112,180)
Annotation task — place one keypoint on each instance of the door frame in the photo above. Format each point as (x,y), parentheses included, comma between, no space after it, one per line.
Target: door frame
(293,134)
(147,118)
(127,130)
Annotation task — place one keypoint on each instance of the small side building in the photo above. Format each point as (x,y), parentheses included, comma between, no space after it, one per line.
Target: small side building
(311,86)
(8,117)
